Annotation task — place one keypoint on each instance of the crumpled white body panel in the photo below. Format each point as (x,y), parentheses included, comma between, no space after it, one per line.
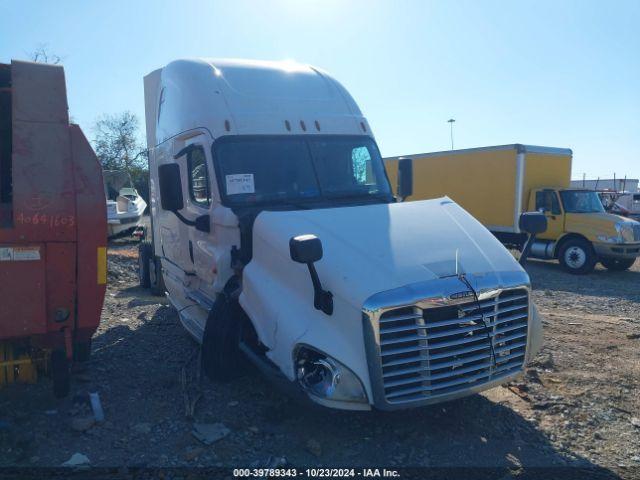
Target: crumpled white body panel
(367,250)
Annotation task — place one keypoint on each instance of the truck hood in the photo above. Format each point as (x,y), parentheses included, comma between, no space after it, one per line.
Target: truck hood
(591,225)
(374,248)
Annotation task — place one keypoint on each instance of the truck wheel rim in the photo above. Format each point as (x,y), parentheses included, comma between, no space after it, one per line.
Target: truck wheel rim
(575,257)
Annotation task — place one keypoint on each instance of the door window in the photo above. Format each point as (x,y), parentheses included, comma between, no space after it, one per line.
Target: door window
(198,177)
(547,201)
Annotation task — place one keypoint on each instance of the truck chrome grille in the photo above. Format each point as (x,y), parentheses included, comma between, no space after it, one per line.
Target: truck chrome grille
(445,349)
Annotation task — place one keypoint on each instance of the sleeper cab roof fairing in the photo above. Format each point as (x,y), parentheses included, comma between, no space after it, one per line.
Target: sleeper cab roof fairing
(250,97)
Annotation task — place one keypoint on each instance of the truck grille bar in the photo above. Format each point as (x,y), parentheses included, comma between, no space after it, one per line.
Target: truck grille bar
(447,349)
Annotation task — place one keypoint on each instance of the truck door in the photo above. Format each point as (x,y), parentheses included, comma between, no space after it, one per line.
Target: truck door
(547,201)
(172,232)
(198,206)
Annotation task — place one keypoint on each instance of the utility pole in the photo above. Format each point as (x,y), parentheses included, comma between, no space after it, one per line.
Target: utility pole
(451,121)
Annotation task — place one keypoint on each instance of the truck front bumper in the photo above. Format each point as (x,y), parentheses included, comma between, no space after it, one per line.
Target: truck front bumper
(620,250)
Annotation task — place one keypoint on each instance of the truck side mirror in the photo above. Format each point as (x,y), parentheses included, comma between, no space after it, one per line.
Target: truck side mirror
(305,249)
(405,178)
(308,249)
(531,223)
(170,187)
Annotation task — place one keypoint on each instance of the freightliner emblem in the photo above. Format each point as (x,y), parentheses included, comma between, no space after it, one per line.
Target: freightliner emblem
(459,295)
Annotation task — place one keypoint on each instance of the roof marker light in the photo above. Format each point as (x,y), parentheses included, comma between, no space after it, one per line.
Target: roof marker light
(317,125)
(364,129)
(227,125)
(287,125)
(303,126)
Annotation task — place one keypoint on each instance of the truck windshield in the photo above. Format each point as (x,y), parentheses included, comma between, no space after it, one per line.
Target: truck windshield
(263,170)
(581,201)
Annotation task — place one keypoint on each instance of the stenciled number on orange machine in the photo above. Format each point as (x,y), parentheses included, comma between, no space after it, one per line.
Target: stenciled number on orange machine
(51,221)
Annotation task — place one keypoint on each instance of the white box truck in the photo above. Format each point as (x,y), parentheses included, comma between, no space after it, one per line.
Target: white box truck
(277,239)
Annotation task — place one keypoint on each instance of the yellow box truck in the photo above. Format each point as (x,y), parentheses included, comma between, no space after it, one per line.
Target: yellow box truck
(496,184)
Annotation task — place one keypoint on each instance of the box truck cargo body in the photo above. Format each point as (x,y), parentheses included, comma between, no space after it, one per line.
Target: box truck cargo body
(278,239)
(493,183)
(497,184)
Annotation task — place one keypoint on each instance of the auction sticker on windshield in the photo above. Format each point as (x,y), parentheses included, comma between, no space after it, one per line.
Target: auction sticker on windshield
(240,183)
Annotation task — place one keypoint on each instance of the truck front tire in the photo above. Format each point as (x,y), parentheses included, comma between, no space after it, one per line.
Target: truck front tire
(221,357)
(617,264)
(577,256)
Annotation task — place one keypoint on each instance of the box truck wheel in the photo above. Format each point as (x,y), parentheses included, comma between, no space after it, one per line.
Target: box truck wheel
(577,256)
(221,357)
(617,264)
(60,373)
(145,254)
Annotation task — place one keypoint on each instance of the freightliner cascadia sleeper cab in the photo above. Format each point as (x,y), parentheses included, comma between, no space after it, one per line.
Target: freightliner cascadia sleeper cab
(277,238)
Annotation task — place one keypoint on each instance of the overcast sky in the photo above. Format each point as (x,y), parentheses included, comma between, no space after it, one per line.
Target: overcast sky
(552,73)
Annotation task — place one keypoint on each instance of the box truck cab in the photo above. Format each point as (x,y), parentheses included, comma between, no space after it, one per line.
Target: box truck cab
(507,180)
(277,239)
(580,232)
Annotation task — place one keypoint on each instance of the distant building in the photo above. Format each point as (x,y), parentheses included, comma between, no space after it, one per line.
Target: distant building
(618,184)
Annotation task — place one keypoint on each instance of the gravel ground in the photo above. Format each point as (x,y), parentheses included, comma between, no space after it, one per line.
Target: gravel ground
(577,406)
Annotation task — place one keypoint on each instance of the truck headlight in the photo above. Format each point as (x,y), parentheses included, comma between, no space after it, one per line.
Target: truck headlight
(625,232)
(324,378)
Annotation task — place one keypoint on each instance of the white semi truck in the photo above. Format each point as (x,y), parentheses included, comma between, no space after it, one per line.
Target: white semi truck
(277,238)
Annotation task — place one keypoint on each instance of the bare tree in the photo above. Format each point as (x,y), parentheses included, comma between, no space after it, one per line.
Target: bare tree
(118,147)
(42,55)
(117,142)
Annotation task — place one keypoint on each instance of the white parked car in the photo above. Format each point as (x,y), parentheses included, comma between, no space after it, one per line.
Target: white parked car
(277,238)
